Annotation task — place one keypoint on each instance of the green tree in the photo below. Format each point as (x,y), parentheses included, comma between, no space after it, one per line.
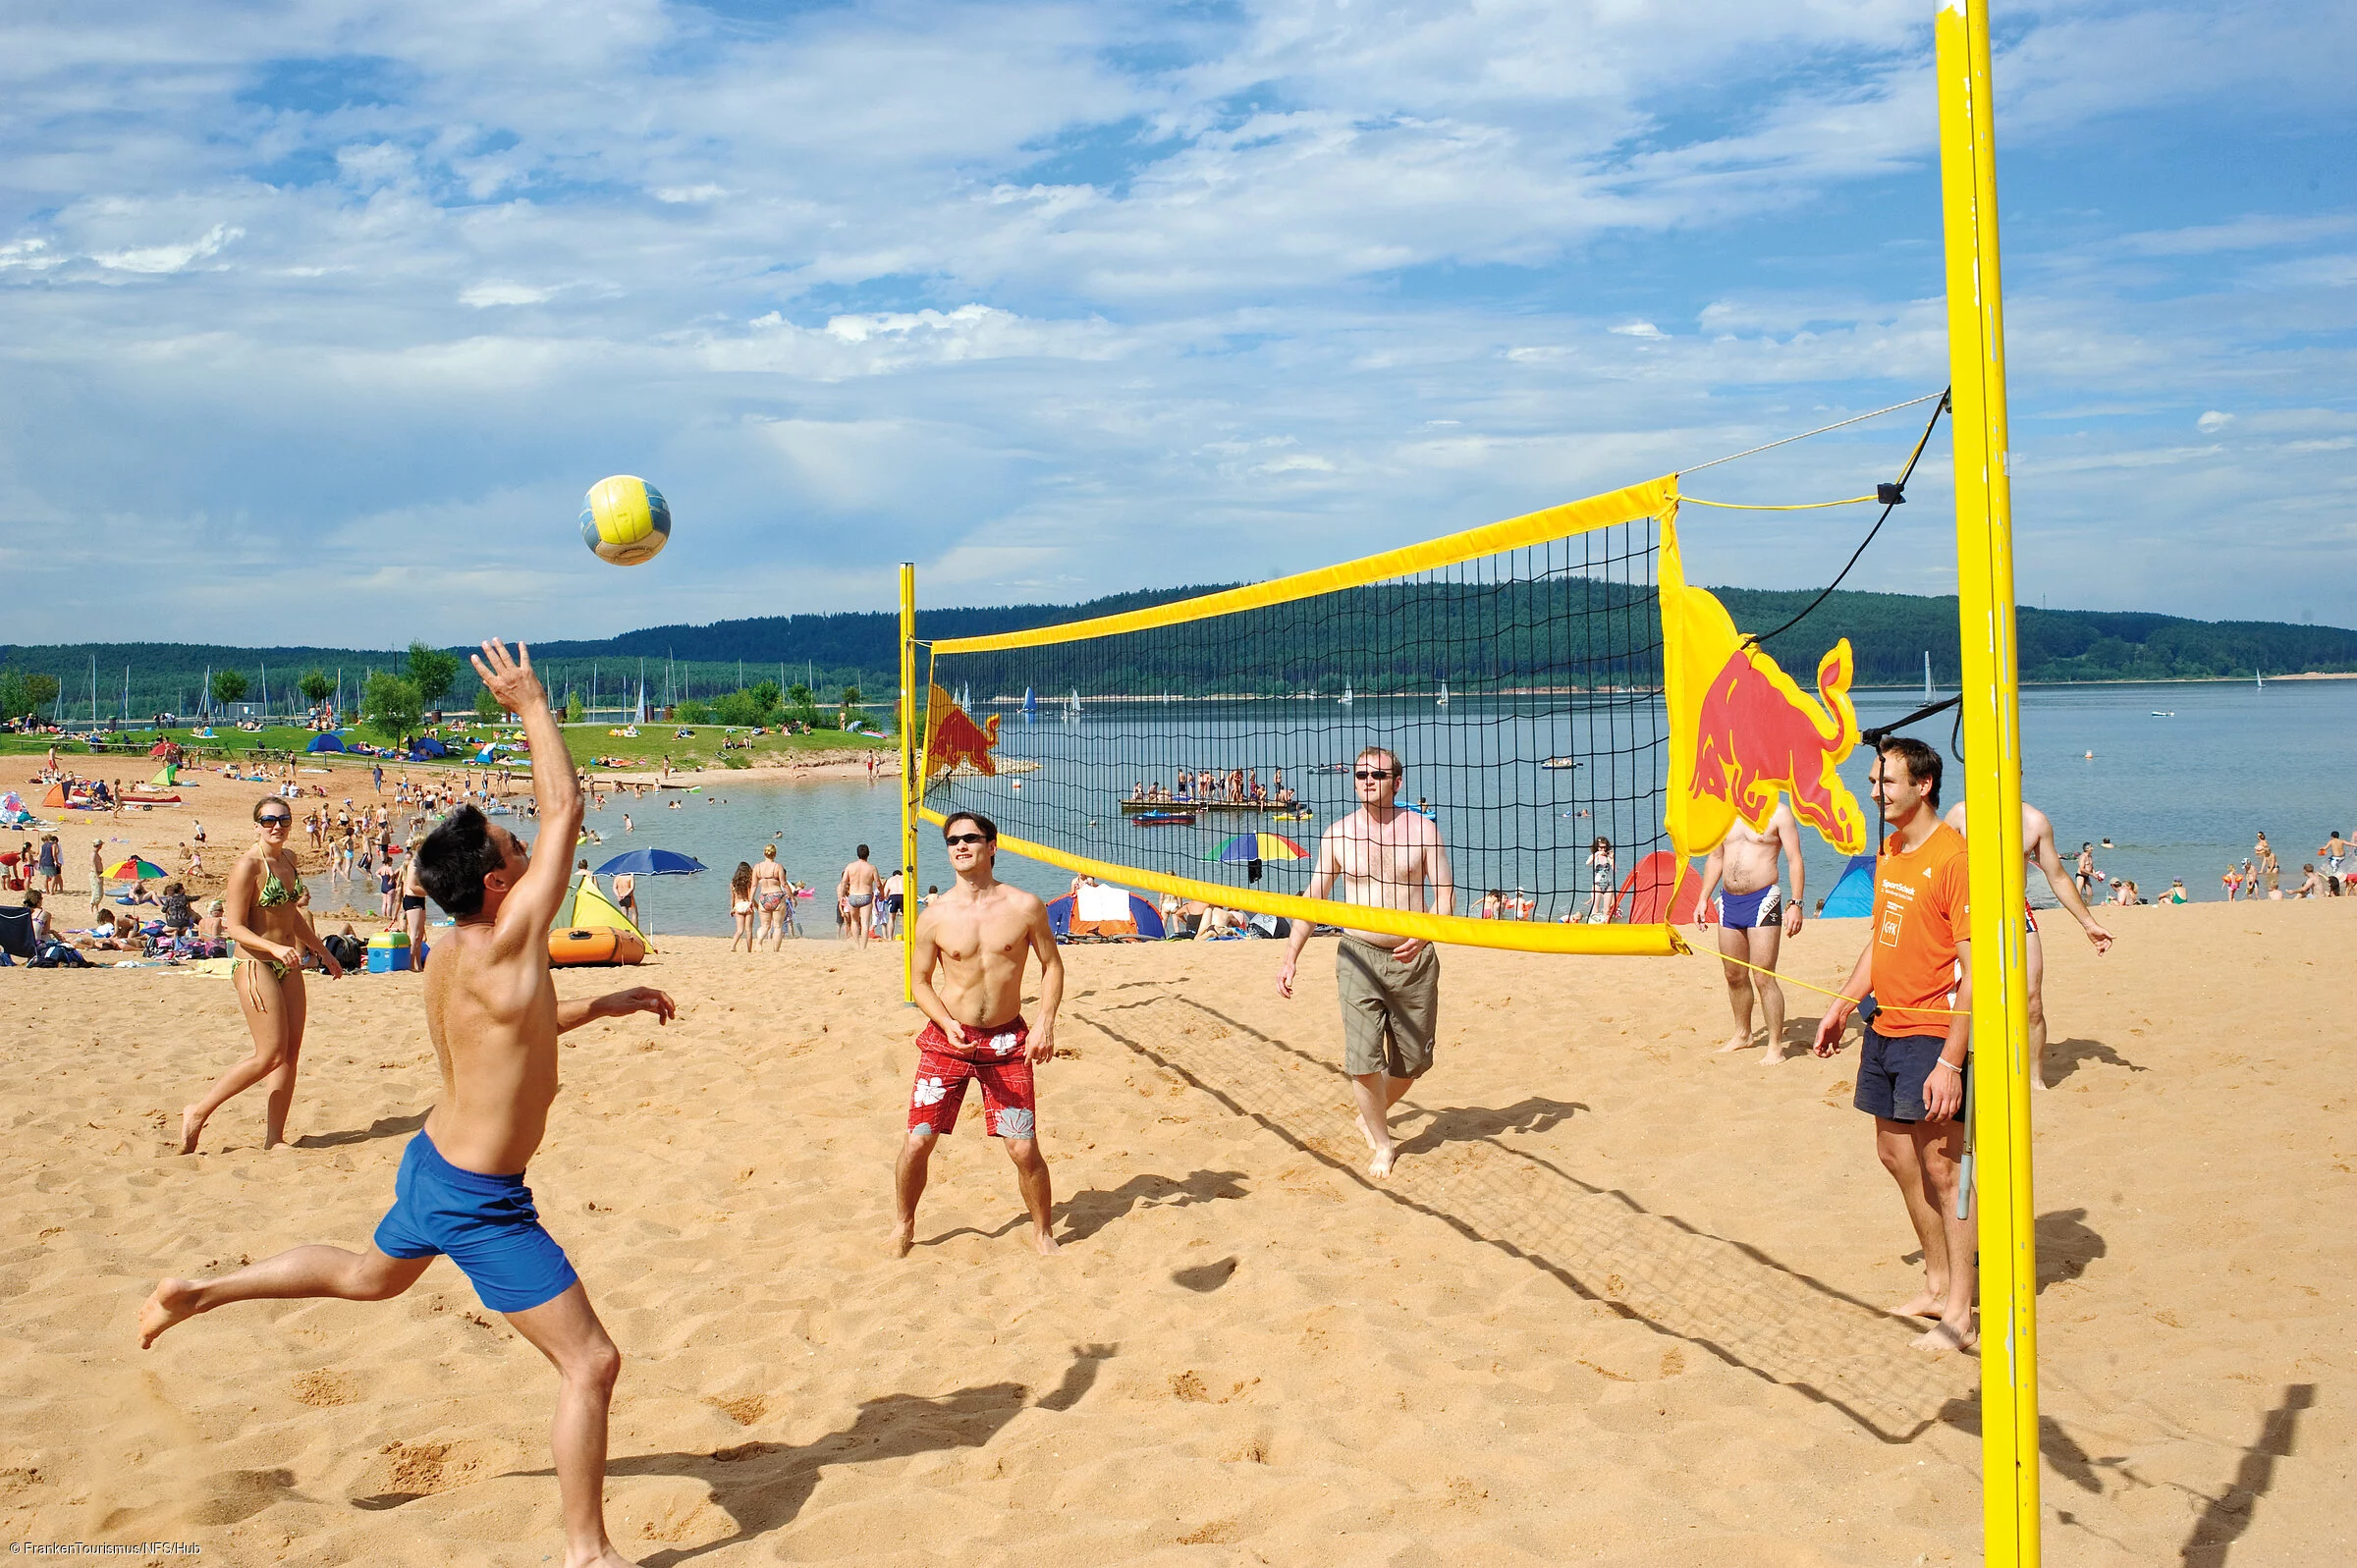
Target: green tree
(691,711)
(740,708)
(23,696)
(801,705)
(766,696)
(433,672)
(227,686)
(316,686)
(392,705)
(574,708)
(486,706)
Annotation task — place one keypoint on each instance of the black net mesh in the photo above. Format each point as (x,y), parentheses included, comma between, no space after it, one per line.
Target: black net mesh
(1521,693)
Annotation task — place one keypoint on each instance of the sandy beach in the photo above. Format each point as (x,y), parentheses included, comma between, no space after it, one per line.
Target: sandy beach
(1618,1305)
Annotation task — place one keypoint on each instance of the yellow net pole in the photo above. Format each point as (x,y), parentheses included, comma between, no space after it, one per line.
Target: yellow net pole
(2001,1100)
(908,780)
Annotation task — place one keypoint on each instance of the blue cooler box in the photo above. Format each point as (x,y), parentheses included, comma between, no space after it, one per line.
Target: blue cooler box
(388,952)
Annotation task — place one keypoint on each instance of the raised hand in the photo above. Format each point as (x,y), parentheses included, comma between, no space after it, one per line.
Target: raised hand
(511,681)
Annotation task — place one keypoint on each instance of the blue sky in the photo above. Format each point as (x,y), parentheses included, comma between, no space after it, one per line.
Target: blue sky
(317,320)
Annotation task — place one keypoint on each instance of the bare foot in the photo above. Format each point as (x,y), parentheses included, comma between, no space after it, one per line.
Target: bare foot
(1381,1165)
(1045,1242)
(903,1237)
(1925,1305)
(1776,1056)
(174,1301)
(604,1557)
(191,1128)
(1737,1042)
(1365,1131)
(1943,1336)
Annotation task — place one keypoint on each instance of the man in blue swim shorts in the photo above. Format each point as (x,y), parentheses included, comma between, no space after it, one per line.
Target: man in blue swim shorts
(494,1017)
(1754,919)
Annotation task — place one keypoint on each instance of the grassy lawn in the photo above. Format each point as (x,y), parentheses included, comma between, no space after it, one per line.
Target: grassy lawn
(656,741)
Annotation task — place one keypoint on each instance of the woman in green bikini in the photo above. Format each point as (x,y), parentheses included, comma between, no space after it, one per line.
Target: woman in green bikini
(272,933)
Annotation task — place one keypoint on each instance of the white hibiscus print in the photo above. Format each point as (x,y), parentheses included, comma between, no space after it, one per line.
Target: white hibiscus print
(1014,1124)
(1006,1045)
(928,1092)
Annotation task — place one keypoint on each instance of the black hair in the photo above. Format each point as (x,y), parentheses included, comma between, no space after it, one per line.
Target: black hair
(990,829)
(456,857)
(863,851)
(1923,762)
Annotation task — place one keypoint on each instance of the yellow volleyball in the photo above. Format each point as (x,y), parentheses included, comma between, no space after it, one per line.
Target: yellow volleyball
(626,520)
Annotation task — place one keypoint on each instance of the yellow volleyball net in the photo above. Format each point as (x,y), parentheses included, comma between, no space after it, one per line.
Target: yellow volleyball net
(1575,718)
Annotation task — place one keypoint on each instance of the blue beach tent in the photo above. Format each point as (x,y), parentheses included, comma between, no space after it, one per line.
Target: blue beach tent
(1853,896)
(329,741)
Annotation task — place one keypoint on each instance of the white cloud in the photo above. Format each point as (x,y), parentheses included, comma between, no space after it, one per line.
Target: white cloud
(1641,329)
(168,257)
(2212,422)
(483,295)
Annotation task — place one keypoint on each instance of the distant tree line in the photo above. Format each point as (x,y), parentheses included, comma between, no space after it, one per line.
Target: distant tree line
(1573,631)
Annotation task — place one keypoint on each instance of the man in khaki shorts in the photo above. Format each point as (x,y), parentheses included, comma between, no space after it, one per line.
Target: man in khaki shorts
(1387,858)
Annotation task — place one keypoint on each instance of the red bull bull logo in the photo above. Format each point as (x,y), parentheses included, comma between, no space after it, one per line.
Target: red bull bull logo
(1742,733)
(954,741)
(1757,734)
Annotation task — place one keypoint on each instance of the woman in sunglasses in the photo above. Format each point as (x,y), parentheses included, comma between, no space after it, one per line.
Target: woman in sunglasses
(266,921)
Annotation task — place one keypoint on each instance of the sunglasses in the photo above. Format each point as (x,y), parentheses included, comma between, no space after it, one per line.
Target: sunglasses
(273,820)
(966,837)
(1372,772)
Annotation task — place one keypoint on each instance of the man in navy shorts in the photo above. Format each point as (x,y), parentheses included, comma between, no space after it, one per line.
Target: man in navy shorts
(1912,1073)
(494,1017)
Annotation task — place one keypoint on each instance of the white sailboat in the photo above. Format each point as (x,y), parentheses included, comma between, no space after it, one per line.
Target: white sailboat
(1346,699)
(1927,676)
(1444,698)
(2260,675)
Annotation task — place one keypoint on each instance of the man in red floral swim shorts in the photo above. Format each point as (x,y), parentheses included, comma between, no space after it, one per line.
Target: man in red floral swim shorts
(979,934)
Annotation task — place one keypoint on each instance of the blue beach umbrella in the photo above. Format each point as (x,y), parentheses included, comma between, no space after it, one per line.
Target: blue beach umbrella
(651,863)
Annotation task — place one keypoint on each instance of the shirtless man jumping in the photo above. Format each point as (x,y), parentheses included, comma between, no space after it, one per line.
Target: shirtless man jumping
(2038,845)
(494,1018)
(1387,858)
(978,933)
(856,890)
(1753,920)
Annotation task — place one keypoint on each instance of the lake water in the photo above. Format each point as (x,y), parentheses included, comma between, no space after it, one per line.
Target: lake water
(2178,795)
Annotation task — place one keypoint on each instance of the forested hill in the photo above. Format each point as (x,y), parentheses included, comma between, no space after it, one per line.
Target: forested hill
(1889,635)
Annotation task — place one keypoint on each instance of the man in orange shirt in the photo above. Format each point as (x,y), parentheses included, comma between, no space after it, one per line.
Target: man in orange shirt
(1912,1076)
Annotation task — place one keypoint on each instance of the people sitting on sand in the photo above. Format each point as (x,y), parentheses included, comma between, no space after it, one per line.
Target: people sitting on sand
(2312,888)
(1220,924)
(103,933)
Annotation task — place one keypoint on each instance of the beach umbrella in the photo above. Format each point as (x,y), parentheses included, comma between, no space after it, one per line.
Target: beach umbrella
(134,869)
(1245,847)
(651,863)
(161,748)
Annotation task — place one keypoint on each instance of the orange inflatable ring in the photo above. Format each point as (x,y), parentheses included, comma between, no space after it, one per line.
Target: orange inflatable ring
(594,945)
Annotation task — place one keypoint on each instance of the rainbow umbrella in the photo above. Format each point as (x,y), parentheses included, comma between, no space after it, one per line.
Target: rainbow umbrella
(1246,848)
(134,869)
